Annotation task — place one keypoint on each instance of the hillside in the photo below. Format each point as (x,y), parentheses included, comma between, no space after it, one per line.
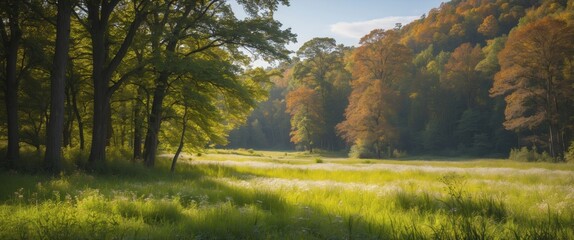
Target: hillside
(446,99)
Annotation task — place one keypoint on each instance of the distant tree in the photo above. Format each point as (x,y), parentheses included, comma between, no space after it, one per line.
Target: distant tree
(377,67)
(489,27)
(538,91)
(322,69)
(460,74)
(317,60)
(304,106)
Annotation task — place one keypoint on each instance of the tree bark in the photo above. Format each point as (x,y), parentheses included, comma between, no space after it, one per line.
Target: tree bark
(11,46)
(69,118)
(77,115)
(99,13)
(154,120)
(101,102)
(138,123)
(55,128)
(181,141)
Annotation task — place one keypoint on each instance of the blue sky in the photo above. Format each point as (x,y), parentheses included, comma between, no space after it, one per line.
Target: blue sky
(347,20)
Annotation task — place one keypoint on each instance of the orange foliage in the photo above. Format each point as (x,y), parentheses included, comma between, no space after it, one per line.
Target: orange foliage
(489,27)
(533,78)
(304,106)
(460,74)
(377,67)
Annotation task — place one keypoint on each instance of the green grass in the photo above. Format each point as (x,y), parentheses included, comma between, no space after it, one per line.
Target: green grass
(245,194)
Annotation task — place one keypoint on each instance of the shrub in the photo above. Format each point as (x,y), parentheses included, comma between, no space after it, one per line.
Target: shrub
(529,155)
(399,154)
(569,157)
(76,155)
(361,151)
(318,160)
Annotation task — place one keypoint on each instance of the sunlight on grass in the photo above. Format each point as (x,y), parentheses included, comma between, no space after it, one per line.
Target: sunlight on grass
(272,195)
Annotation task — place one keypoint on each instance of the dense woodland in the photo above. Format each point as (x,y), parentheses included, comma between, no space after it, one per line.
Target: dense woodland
(474,78)
(468,78)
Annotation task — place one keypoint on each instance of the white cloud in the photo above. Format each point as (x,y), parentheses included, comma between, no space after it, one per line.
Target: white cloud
(359,29)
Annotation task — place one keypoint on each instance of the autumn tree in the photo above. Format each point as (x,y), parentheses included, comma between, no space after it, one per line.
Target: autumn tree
(377,67)
(460,74)
(322,68)
(489,26)
(538,90)
(304,106)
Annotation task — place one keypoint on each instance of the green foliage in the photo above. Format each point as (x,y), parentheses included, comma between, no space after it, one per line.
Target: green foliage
(525,154)
(359,150)
(570,153)
(237,197)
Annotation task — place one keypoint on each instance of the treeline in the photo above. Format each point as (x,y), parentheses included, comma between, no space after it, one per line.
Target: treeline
(134,74)
(469,78)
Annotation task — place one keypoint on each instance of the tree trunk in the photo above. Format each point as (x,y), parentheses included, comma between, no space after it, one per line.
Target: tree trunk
(101,102)
(138,127)
(11,99)
(99,14)
(11,45)
(69,118)
(110,126)
(181,142)
(154,120)
(76,110)
(53,156)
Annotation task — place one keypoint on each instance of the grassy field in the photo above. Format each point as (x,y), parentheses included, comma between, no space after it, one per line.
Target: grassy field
(278,195)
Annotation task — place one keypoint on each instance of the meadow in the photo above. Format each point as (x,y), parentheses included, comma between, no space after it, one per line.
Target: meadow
(239,194)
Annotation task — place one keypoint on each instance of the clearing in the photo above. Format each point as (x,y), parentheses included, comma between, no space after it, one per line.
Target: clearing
(239,194)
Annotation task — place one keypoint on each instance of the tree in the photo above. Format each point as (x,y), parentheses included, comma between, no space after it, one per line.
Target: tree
(304,106)
(55,128)
(318,60)
(105,63)
(206,28)
(489,27)
(460,74)
(377,67)
(11,33)
(322,68)
(538,91)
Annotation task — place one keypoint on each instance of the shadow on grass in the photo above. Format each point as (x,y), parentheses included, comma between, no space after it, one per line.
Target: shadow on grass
(197,202)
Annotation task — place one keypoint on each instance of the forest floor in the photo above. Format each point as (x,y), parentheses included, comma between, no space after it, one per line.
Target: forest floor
(238,194)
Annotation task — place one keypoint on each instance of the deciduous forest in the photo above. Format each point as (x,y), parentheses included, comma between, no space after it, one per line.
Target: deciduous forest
(474,78)
(145,119)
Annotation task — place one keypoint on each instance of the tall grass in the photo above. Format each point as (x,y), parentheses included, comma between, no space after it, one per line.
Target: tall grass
(289,201)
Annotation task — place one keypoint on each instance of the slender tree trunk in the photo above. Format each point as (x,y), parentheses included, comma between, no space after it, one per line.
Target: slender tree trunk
(154,120)
(53,156)
(11,99)
(138,127)
(11,45)
(181,141)
(69,119)
(110,127)
(78,117)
